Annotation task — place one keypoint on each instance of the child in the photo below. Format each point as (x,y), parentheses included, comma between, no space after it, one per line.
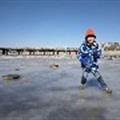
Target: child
(88,54)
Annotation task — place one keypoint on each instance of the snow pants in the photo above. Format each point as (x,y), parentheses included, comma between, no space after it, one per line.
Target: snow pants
(95,73)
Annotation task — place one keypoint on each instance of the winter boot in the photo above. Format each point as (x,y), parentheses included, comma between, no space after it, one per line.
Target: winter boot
(83,82)
(108,90)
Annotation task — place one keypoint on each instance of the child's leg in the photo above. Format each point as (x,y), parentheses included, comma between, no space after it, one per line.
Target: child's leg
(84,76)
(101,81)
(99,78)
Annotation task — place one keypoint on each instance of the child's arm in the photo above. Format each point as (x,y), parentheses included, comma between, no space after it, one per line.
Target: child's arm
(82,51)
(97,51)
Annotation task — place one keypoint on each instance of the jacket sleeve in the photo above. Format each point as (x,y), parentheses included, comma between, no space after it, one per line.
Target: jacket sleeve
(82,51)
(97,51)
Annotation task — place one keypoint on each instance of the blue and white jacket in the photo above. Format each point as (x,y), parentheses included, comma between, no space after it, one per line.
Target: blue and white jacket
(88,54)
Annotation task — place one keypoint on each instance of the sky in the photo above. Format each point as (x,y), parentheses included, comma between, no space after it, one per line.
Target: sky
(57,23)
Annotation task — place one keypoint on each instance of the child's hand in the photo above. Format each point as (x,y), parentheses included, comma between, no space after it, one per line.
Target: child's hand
(97,53)
(91,52)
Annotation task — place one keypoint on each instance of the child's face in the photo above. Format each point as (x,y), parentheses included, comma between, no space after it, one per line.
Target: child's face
(90,40)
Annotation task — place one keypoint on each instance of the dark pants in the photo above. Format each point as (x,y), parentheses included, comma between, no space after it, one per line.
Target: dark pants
(97,75)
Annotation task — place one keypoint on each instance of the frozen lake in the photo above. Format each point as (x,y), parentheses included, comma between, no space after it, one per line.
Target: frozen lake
(44,93)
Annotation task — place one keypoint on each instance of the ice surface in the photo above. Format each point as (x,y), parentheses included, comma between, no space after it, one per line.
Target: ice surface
(43,93)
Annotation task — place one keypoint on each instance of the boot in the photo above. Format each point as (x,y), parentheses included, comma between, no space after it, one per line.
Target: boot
(82,86)
(108,90)
(83,82)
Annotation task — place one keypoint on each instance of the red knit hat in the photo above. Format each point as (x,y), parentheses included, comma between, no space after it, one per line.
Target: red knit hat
(90,33)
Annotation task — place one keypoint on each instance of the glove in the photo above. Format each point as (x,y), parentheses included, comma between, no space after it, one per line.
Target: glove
(97,53)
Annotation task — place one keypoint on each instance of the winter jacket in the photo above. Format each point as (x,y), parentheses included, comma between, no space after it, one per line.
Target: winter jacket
(89,54)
